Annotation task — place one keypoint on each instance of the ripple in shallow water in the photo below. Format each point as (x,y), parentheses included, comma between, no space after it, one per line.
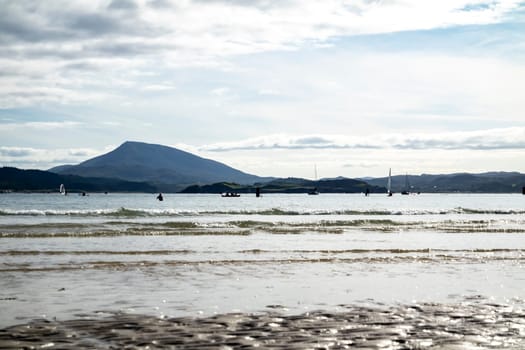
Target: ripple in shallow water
(422,326)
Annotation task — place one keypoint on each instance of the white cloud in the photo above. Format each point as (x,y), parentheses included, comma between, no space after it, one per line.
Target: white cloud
(363,91)
(39,125)
(16,151)
(43,42)
(269,92)
(158,87)
(493,139)
(219,92)
(155,69)
(334,155)
(27,157)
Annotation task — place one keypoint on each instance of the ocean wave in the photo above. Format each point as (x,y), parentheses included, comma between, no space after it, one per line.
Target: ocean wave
(132,213)
(118,233)
(120,212)
(461,210)
(258,252)
(452,258)
(114,228)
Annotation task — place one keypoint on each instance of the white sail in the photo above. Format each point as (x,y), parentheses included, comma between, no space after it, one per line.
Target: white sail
(314,191)
(62,189)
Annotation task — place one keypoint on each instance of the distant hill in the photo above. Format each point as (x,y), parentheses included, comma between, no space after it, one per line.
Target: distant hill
(291,185)
(61,168)
(13,179)
(168,168)
(491,182)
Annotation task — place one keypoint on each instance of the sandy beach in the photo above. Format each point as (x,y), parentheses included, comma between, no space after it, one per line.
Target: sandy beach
(469,325)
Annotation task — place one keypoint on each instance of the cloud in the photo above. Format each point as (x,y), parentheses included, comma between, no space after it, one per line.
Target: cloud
(269,92)
(81,152)
(158,87)
(16,152)
(208,28)
(292,142)
(123,5)
(313,140)
(39,125)
(219,92)
(160,4)
(363,165)
(41,158)
(93,24)
(493,139)
(45,41)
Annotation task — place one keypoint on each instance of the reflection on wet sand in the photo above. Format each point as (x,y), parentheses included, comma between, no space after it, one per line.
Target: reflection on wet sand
(468,325)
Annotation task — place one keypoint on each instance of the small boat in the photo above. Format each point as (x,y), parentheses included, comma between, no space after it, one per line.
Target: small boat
(230,194)
(314,192)
(63,189)
(389,183)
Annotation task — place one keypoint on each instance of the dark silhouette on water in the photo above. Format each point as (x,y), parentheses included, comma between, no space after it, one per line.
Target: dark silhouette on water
(160,198)
(258,192)
(230,194)
(314,192)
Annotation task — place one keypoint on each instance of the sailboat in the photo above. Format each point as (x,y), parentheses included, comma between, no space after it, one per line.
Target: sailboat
(314,192)
(63,189)
(389,183)
(406,190)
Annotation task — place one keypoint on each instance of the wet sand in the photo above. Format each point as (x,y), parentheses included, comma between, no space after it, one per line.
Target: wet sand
(467,325)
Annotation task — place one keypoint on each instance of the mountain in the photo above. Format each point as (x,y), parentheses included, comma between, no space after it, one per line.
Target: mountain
(168,168)
(291,185)
(13,179)
(491,182)
(61,168)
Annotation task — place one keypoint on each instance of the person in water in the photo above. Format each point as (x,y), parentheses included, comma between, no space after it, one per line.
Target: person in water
(159,197)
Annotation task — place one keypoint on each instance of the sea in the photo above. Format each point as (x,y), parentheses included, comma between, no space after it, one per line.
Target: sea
(436,271)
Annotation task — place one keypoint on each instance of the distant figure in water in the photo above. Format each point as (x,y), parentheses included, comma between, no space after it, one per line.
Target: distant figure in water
(367,192)
(159,197)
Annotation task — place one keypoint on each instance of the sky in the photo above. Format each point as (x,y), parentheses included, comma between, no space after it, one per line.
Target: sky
(272,88)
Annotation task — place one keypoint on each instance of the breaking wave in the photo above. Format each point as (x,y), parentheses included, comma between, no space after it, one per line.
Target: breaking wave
(131,213)
(334,252)
(232,227)
(430,259)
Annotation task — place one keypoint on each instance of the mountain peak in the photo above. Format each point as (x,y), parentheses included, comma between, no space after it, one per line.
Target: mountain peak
(128,144)
(140,161)
(137,143)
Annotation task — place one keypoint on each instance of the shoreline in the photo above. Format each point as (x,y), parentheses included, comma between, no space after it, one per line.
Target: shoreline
(473,324)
